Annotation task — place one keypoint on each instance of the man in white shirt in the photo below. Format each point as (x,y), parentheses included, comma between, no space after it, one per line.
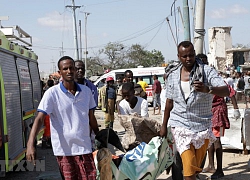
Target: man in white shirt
(229,80)
(247,85)
(71,109)
(132,104)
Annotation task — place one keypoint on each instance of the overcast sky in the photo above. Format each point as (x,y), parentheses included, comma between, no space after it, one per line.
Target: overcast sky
(128,22)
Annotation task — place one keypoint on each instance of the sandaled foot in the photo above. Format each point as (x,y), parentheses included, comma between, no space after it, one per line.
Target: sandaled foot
(208,170)
(217,175)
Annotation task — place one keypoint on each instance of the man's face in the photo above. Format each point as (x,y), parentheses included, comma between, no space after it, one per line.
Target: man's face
(187,56)
(119,82)
(80,70)
(129,77)
(110,83)
(67,70)
(127,95)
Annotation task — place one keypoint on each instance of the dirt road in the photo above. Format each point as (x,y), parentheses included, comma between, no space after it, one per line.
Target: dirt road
(234,163)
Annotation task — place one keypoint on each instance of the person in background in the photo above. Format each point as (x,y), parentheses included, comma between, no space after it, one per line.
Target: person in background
(240,85)
(220,122)
(156,94)
(188,108)
(107,97)
(144,85)
(247,86)
(128,77)
(203,58)
(229,80)
(119,82)
(46,140)
(131,104)
(71,109)
(101,83)
(238,68)
(80,79)
(163,95)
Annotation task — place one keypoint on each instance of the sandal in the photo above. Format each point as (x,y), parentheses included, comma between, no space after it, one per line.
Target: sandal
(217,175)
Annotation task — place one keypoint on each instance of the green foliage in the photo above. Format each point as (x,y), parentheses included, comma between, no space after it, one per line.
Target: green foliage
(117,56)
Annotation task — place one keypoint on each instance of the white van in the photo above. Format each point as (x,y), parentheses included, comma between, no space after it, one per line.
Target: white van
(145,73)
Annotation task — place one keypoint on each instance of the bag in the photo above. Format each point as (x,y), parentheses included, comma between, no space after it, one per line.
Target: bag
(147,161)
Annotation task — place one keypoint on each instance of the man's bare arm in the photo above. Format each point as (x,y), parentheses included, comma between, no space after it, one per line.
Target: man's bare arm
(168,108)
(30,154)
(92,121)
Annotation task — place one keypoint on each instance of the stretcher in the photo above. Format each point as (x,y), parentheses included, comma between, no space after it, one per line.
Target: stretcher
(146,161)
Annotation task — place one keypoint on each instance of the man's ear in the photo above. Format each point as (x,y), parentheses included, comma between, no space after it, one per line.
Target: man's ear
(59,72)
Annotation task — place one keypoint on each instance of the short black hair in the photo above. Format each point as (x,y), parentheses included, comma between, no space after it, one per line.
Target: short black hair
(64,58)
(129,86)
(201,55)
(80,62)
(128,71)
(184,44)
(50,83)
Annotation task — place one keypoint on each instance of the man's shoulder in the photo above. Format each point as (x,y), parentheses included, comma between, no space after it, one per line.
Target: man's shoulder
(84,88)
(123,103)
(90,84)
(141,100)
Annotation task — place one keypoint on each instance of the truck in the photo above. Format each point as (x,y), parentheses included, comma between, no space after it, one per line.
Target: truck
(146,73)
(21,93)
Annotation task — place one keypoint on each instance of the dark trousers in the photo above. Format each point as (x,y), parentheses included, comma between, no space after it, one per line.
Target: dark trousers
(177,165)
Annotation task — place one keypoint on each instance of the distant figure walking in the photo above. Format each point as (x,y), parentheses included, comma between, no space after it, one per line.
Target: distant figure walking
(156,94)
(107,97)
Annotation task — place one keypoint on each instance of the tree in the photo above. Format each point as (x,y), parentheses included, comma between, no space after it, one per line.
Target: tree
(141,57)
(116,55)
(154,58)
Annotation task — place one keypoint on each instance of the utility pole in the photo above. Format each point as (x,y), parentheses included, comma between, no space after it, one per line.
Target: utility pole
(75,29)
(86,50)
(80,36)
(62,51)
(53,66)
(199,31)
(186,20)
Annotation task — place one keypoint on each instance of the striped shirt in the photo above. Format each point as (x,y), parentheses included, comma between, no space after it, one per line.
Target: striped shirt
(194,113)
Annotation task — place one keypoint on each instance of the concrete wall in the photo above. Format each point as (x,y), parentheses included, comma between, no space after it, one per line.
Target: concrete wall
(219,39)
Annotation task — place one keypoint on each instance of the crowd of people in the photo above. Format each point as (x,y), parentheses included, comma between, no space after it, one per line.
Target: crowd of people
(192,101)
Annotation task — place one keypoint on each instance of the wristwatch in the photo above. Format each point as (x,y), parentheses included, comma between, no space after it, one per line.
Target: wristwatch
(210,89)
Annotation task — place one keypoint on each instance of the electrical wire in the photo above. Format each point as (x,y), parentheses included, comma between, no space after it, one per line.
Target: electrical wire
(147,44)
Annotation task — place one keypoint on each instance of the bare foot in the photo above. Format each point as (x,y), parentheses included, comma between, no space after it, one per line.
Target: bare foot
(208,170)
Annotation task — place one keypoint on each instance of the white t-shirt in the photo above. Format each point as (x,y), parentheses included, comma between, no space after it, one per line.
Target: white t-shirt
(247,82)
(141,107)
(230,81)
(69,119)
